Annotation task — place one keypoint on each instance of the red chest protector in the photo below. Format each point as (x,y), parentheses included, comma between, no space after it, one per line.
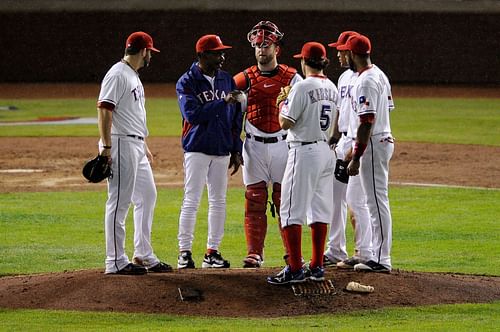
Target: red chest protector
(264,88)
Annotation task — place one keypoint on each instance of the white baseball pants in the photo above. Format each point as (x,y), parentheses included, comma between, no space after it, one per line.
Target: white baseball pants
(374,174)
(201,169)
(132,182)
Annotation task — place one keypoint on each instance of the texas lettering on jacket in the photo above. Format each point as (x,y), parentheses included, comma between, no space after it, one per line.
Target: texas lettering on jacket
(211,95)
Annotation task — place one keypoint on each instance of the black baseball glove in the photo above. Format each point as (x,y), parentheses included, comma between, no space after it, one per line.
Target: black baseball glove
(341,171)
(97,169)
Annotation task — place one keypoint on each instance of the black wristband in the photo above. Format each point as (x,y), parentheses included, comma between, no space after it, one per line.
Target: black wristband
(106,146)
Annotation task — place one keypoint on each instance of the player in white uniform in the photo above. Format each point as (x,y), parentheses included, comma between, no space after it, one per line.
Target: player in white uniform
(352,193)
(122,127)
(373,149)
(265,149)
(306,192)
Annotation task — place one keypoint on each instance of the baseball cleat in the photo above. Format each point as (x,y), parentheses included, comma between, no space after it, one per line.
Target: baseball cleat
(371,266)
(327,261)
(132,269)
(348,263)
(160,268)
(253,261)
(185,260)
(214,260)
(286,276)
(315,274)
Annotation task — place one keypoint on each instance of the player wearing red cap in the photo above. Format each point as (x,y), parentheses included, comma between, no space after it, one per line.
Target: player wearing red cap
(373,148)
(123,131)
(212,120)
(307,191)
(352,193)
(264,150)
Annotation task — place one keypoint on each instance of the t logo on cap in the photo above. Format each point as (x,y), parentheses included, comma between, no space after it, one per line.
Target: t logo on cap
(210,43)
(139,40)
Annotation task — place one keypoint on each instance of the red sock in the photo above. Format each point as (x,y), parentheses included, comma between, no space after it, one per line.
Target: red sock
(318,232)
(211,251)
(293,235)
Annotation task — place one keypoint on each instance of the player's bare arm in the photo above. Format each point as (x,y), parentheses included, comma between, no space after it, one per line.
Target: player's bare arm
(363,135)
(285,123)
(104,117)
(149,155)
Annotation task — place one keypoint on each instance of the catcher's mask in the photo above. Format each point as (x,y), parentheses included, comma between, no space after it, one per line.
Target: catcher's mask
(264,34)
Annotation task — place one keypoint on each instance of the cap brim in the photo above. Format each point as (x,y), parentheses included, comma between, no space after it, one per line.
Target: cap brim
(342,47)
(298,56)
(154,49)
(223,47)
(334,45)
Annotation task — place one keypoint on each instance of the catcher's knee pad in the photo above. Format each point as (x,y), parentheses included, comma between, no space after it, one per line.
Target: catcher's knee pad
(255,217)
(256,199)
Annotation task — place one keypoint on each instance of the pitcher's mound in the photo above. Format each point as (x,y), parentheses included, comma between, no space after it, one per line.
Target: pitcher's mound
(238,292)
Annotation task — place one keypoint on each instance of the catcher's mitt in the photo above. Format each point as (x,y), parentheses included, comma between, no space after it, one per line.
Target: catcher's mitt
(341,171)
(97,169)
(283,95)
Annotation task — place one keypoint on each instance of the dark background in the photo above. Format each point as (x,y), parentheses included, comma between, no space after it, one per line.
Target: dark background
(421,48)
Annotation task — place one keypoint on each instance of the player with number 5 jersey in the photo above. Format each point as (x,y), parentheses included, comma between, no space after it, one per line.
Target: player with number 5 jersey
(306,191)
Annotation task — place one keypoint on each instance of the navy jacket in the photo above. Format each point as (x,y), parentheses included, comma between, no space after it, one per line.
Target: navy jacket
(209,124)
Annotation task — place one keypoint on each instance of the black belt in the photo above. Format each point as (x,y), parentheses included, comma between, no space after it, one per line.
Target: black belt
(136,137)
(344,133)
(266,140)
(306,143)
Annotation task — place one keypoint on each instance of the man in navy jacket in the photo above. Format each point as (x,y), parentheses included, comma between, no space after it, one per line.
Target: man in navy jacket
(211,129)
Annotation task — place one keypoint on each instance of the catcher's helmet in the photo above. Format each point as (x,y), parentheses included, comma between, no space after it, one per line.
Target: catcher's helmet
(264,34)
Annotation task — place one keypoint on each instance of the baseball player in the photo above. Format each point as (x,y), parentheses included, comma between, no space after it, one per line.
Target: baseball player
(306,192)
(350,194)
(212,121)
(264,150)
(122,127)
(373,148)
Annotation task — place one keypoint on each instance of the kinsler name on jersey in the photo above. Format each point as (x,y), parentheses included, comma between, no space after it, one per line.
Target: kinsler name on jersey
(321,94)
(210,95)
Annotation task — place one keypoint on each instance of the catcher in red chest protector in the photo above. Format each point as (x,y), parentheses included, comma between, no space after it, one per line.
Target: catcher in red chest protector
(265,149)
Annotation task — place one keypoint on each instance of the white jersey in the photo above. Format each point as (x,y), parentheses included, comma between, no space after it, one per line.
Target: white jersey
(372,95)
(122,88)
(345,84)
(311,106)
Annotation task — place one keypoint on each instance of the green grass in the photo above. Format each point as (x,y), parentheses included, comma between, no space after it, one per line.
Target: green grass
(457,121)
(163,117)
(459,317)
(461,121)
(45,232)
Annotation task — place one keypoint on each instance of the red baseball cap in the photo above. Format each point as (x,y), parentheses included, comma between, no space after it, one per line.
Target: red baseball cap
(312,50)
(357,44)
(210,43)
(343,37)
(140,40)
